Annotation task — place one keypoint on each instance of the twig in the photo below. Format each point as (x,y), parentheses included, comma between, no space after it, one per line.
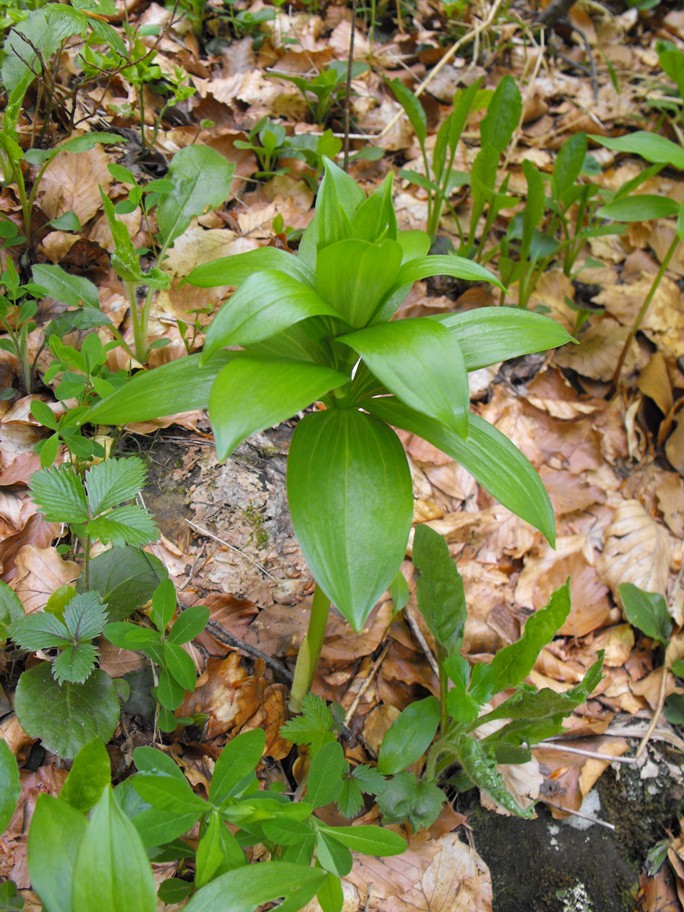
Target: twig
(593,755)
(225,636)
(347,100)
(559,807)
(366,684)
(667,736)
(471,35)
(215,538)
(422,642)
(656,712)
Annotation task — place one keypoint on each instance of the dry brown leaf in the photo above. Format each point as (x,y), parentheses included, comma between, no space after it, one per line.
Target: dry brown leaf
(598,351)
(658,893)
(71,182)
(40,572)
(670,495)
(674,445)
(637,550)
(654,382)
(229,692)
(617,643)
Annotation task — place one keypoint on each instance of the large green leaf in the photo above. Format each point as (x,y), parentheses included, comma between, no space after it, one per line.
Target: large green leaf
(238,760)
(354,276)
(422,367)
(650,146)
(112,870)
(339,196)
(253,393)
(10,788)
(57,830)
(89,775)
(351,503)
(201,177)
(458,267)
(441,597)
(113,482)
(409,736)
(496,463)
(647,611)
(234,270)
(178,386)
(62,286)
(639,208)
(250,887)
(487,335)
(125,578)
(66,717)
(263,306)
(480,767)
(510,666)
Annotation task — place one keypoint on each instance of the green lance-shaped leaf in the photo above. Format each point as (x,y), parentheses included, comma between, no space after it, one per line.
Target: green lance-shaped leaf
(409,736)
(647,611)
(234,270)
(503,115)
(339,197)
(568,167)
(639,208)
(253,393)
(489,456)
(324,782)
(488,335)
(10,788)
(66,717)
(355,276)
(371,840)
(72,290)
(57,830)
(423,368)
(201,177)
(237,761)
(458,267)
(375,219)
(650,146)
(112,870)
(480,767)
(510,666)
(441,597)
(264,305)
(179,386)
(351,502)
(252,886)
(88,777)
(412,108)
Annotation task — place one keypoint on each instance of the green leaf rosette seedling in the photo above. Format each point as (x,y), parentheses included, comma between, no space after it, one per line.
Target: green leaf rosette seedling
(317,327)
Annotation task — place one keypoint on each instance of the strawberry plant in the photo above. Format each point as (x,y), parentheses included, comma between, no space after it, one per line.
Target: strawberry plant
(318,327)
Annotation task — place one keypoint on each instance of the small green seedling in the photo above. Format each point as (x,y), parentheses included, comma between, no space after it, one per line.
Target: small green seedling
(324,91)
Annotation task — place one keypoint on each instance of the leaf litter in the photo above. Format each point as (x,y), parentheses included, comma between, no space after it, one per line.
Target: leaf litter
(613,468)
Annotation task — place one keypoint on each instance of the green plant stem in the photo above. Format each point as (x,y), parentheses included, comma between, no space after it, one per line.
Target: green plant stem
(139,323)
(443,691)
(642,312)
(310,650)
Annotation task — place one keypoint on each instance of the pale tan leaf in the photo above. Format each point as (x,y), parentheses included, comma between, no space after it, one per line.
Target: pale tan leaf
(71,183)
(598,351)
(40,571)
(654,382)
(637,550)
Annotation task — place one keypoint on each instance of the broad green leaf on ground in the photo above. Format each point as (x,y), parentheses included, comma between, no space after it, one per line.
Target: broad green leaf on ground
(487,454)
(639,208)
(647,611)
(351,502)
(487,335)
(89,775)
(57,830)
(66,717)
(179,386)
(409,736)
(251,887)
(125,578)
(234,270)
(458,267)
(650,146)
(201,177)
(266,304)
(405,797)
(112,870)
(439,587)
(420,361)
(511,665)
(268,392)
(10,788)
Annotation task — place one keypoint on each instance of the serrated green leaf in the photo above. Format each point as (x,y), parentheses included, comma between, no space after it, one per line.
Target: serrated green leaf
(39,630)
(422,367)
(59,493)
(351,502)
(409,736)
(74,663)
(324,782)
(268,392)
(314,725)
(350,799)
(85,616)
(511,665)
(131,525)
(488,335)
(10,787)
(480,767)
(487,454)
(646,611)
(66,717)
(441,597)
(89,775)
(113,482)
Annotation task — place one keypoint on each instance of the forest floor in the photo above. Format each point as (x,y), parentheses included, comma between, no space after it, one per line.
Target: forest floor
(613,464)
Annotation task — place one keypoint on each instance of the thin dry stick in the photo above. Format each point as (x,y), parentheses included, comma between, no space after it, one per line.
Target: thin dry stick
(347,100)
(219,632)
(422,642)
(472,35)
(366,684)
(593,755)
(221,541)
(559,807)
(656,713)
(667,736)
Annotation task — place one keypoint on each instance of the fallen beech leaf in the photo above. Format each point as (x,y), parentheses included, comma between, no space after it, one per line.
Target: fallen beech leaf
(71,182)
(658,893)
(40,571)
(674,445)
(598,351)
(229,692)
(654,382)
(36,532)
(670,496)
(636,550)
